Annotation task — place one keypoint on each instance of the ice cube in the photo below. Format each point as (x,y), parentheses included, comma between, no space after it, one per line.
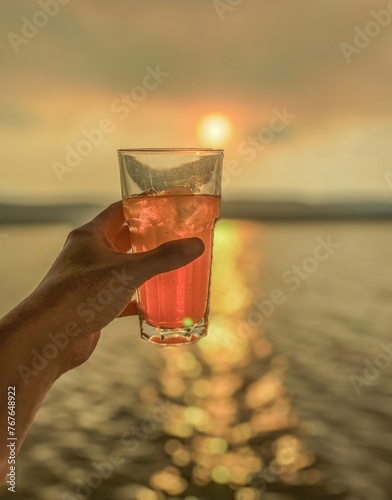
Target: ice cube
(149,192)
(183,200)
(177,191)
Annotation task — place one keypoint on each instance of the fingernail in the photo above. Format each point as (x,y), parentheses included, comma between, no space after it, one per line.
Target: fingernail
(193,247)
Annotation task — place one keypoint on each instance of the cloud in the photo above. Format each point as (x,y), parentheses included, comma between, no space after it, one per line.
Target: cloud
(258,46)
(264,55)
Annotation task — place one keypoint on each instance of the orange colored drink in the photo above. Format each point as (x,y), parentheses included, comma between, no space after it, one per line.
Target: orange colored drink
(180,298)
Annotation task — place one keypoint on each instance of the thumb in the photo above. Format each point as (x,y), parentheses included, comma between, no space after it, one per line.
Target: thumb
(167,257)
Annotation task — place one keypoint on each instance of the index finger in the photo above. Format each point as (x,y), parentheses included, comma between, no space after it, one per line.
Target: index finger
(109,221)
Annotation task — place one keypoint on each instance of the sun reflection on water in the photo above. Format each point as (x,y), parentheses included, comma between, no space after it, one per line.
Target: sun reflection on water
(232,423)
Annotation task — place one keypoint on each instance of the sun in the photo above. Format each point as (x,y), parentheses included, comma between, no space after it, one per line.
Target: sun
(214,130)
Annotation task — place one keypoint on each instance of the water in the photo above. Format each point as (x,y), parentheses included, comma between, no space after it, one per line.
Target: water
(263,408)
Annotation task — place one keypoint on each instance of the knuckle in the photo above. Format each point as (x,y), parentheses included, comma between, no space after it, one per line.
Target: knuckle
(166,252)
(79,233)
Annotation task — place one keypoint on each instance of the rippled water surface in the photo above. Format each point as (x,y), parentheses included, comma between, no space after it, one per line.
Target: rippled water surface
(289,397)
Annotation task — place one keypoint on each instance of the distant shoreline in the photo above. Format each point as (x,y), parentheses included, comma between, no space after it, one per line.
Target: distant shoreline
(262,210)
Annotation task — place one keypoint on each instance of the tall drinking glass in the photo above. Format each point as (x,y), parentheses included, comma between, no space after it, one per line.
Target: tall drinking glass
(170,194)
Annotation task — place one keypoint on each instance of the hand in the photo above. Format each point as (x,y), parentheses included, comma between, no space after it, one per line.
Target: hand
(93,279)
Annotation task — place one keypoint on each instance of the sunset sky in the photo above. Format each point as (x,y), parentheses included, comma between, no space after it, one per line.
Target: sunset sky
(150,73)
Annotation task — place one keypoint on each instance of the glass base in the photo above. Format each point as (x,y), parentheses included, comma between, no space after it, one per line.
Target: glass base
(173,336)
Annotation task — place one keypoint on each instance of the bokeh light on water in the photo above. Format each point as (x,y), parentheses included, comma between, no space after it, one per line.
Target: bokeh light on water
(231,422)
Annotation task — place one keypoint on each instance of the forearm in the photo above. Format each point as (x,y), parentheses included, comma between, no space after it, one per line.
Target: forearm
(23,371)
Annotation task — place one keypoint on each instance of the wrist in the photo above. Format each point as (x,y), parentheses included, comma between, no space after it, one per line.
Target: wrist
(26,341)
(24,368)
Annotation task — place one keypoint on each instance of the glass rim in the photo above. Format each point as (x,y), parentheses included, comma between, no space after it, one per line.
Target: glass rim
(170,150)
